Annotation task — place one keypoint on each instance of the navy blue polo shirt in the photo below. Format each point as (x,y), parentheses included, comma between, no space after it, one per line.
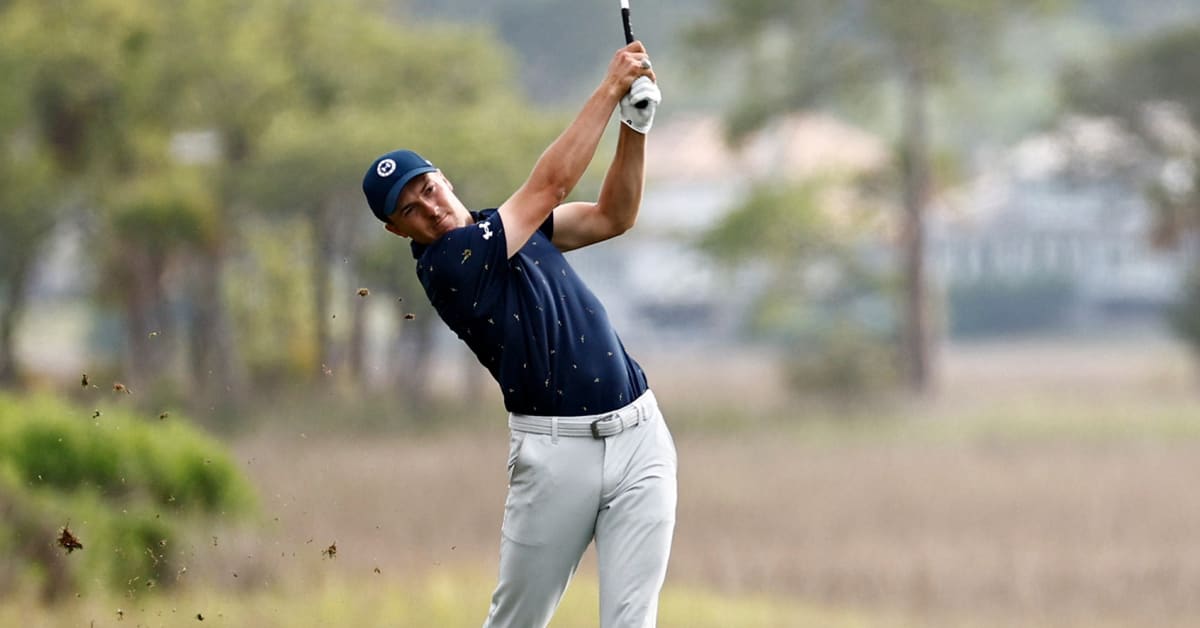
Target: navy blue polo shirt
(530,320)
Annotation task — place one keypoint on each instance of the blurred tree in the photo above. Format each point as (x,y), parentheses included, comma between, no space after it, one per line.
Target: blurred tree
(105,102)
(27,215)
(155,223)
(1153,85)
(312,155)
(229,79)
(816,295)
(270,301)
(789,55)
(178,122)
(46,144)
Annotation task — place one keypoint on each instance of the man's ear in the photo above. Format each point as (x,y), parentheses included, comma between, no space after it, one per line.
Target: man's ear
(394,229)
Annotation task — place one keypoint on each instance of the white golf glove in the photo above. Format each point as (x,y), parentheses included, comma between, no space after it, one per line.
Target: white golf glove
(640,120)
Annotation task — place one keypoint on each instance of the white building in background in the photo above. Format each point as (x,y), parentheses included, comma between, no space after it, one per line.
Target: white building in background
(1069,204)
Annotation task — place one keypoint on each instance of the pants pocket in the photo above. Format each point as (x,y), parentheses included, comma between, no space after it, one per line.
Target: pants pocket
(515,440)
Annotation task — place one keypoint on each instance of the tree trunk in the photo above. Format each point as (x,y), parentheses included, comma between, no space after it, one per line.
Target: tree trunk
(217,367)
(916,185)
(146,316)
(324,222)
(11,308)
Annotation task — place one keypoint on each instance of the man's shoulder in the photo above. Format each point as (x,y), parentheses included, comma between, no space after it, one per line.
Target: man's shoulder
(465,251)
(485,223)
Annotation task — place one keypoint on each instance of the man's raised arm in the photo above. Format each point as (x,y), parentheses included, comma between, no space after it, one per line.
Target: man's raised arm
(579,224)
(563,163)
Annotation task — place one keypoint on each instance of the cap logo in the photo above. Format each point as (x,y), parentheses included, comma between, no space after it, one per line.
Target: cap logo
(385,168)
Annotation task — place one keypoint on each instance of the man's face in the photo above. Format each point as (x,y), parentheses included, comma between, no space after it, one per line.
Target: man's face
(427,209)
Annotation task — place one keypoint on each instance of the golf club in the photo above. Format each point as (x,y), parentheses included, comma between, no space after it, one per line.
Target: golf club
(641,104)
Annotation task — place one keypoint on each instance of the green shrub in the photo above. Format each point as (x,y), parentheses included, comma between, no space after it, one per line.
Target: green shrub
(846,362)
(124,484)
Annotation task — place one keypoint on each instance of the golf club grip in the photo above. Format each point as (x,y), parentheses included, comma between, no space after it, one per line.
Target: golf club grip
(641,104)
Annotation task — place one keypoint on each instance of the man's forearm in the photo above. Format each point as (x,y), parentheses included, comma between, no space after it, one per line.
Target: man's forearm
(563,163)
(621,194)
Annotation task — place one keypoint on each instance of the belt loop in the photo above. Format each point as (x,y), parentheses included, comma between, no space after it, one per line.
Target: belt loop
(554,430)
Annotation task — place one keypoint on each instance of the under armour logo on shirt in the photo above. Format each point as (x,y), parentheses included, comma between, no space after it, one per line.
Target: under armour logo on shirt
(487,230)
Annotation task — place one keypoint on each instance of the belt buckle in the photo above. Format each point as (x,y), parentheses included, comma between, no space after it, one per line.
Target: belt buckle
(596,426)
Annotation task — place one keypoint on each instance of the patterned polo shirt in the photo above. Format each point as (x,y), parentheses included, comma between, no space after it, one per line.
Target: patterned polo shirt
(529,319)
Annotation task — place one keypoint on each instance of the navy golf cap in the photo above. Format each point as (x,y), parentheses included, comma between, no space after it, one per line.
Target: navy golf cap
(387,177)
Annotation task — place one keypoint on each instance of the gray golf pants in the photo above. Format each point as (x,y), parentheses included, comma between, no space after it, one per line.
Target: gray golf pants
(565,490)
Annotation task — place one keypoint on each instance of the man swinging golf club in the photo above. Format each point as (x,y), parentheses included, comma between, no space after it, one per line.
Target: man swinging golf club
(590,455)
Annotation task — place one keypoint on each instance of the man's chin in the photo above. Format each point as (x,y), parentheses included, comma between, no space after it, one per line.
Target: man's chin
(444,226)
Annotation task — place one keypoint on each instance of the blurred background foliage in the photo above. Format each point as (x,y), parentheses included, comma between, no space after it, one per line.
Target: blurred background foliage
(172,134)
(121,481)
(179,182)
(208,155)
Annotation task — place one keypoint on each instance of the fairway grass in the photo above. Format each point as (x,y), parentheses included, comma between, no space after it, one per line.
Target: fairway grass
(441,600)
(459,599)
(1039,488)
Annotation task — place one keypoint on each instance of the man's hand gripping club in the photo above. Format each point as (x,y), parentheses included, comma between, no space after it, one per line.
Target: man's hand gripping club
(640,103)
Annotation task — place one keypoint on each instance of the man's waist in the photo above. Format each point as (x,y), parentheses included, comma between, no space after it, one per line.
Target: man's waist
(600,425)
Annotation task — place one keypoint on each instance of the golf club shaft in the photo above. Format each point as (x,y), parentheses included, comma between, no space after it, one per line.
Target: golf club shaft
(625,22)
(629,40)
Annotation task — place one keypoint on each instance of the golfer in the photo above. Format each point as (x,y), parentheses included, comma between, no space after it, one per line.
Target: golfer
(590,456)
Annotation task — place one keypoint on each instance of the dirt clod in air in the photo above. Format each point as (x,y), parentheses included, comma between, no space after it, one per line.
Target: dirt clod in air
(68,541)
(331,551)
(119,387)
(362,292)
(410,316)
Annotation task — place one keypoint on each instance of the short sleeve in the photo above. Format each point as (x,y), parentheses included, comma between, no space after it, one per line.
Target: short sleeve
(464,270)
